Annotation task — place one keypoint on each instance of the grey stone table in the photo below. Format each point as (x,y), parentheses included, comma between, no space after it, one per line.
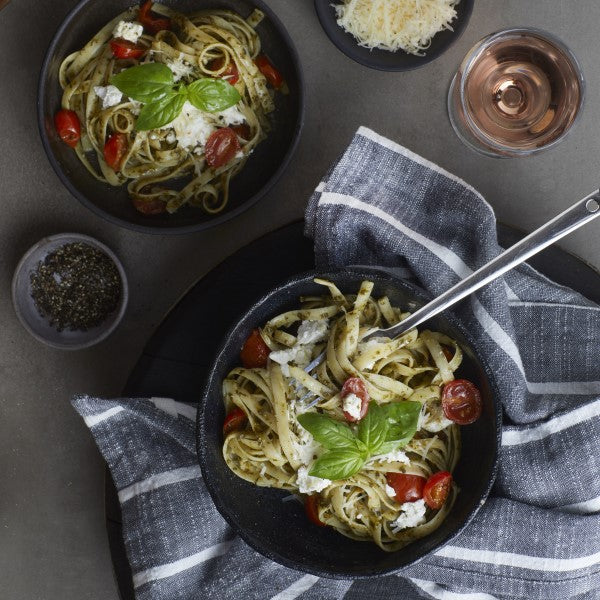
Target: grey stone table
(53,541)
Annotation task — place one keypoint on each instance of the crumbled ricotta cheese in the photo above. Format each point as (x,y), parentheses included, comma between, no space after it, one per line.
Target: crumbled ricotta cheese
(307,484)
(411,515)
(179,67)
(306,447)
(390,491)
(110,95)
(136,107)
(310,332)
(231,116)
(432,418)
(191,127)
(352,405)
(171,137)
(394,456)
(300,355)
(130,31)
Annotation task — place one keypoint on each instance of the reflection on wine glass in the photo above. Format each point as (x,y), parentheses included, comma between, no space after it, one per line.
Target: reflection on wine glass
(516,92)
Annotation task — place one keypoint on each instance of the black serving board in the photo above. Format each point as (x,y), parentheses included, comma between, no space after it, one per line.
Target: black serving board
(175,360)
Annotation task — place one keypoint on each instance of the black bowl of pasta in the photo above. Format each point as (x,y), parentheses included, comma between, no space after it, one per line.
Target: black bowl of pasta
(170,117)
(318,483)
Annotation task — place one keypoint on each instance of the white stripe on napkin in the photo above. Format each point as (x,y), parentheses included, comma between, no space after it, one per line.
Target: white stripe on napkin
(159,480)
(298,587)
(519,561)
(454,262)
(170,569)
(92,420)
(174,408)
(439,593)
(583,508)
(552,305)
(514,437)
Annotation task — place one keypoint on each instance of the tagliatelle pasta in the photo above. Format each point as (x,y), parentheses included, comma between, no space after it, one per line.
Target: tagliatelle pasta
(167,167)
(403,379)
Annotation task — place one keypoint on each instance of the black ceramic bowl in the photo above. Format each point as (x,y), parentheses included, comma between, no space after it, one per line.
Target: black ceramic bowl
(280,530)
(382,59)
(260,172)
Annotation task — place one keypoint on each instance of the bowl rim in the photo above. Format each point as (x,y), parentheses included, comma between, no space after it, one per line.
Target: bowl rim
(68,238)
(180,229)
(305,277)
(353,51)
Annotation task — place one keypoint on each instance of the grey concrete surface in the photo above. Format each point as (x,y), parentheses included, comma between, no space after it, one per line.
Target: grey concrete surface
(52,538)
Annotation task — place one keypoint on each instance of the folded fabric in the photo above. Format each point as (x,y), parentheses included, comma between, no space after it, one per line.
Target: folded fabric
(537,537)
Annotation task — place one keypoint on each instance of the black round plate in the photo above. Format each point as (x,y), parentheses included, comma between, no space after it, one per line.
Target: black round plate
(258,175)
(384,60)
(173,363)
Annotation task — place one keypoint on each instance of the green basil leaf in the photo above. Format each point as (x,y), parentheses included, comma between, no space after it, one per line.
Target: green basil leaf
(212,95)
(373,428)
(145,83)
(403,418)
(327,431)
(159,113)
(337,464)
(390,447)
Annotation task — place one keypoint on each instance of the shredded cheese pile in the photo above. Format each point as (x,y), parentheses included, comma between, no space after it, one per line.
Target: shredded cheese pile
(393,25)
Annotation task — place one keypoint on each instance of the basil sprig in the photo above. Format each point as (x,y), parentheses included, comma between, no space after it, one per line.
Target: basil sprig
(154,85)
(384,429)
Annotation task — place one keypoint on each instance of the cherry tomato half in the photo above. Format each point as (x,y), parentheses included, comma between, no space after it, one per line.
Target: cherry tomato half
(461,401)
(272,75)
(126,49)
(152,206)
(231,73)
(356,386)
(254,351)
(151,22)
(115,149)
(221,146)
(243,131)
(234,420)
(68,126)
(437,488)
(408,488)
(311,506)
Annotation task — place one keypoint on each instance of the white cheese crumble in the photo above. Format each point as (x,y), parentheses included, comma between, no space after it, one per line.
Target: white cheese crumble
(411,515)
(307,484)
(394,456)
(306,447)
(130,31)
(136,107)
(191,127)
(299,355)
(110,95)
(179,67)
(352,405)
(310,332)
(432,418)
(231,116)
(390,491)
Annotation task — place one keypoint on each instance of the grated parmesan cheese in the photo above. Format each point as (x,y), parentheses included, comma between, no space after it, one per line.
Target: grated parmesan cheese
(393,25)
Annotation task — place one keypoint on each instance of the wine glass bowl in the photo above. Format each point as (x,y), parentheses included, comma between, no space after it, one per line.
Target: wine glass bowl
(516,92)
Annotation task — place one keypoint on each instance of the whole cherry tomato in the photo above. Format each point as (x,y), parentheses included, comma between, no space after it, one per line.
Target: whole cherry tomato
(311,506)
(152,206)
(115,149)
(437,488)
(254,351)
(408,488)
(151,22)
(234,420)
(272,75)
(461,401)
(356,386)
(126,49)
(231,73)
(221,146)
(68,126)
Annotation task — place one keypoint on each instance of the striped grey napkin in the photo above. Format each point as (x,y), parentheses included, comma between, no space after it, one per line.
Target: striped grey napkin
(537,537)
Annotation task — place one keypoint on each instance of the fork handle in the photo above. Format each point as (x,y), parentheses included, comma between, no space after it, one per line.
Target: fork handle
(579,214)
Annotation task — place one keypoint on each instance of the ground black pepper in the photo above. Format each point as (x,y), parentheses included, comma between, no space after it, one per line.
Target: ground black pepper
(76,287)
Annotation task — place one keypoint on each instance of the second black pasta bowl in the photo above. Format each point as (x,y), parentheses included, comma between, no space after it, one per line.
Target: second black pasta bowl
(279,529)
(261,171)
